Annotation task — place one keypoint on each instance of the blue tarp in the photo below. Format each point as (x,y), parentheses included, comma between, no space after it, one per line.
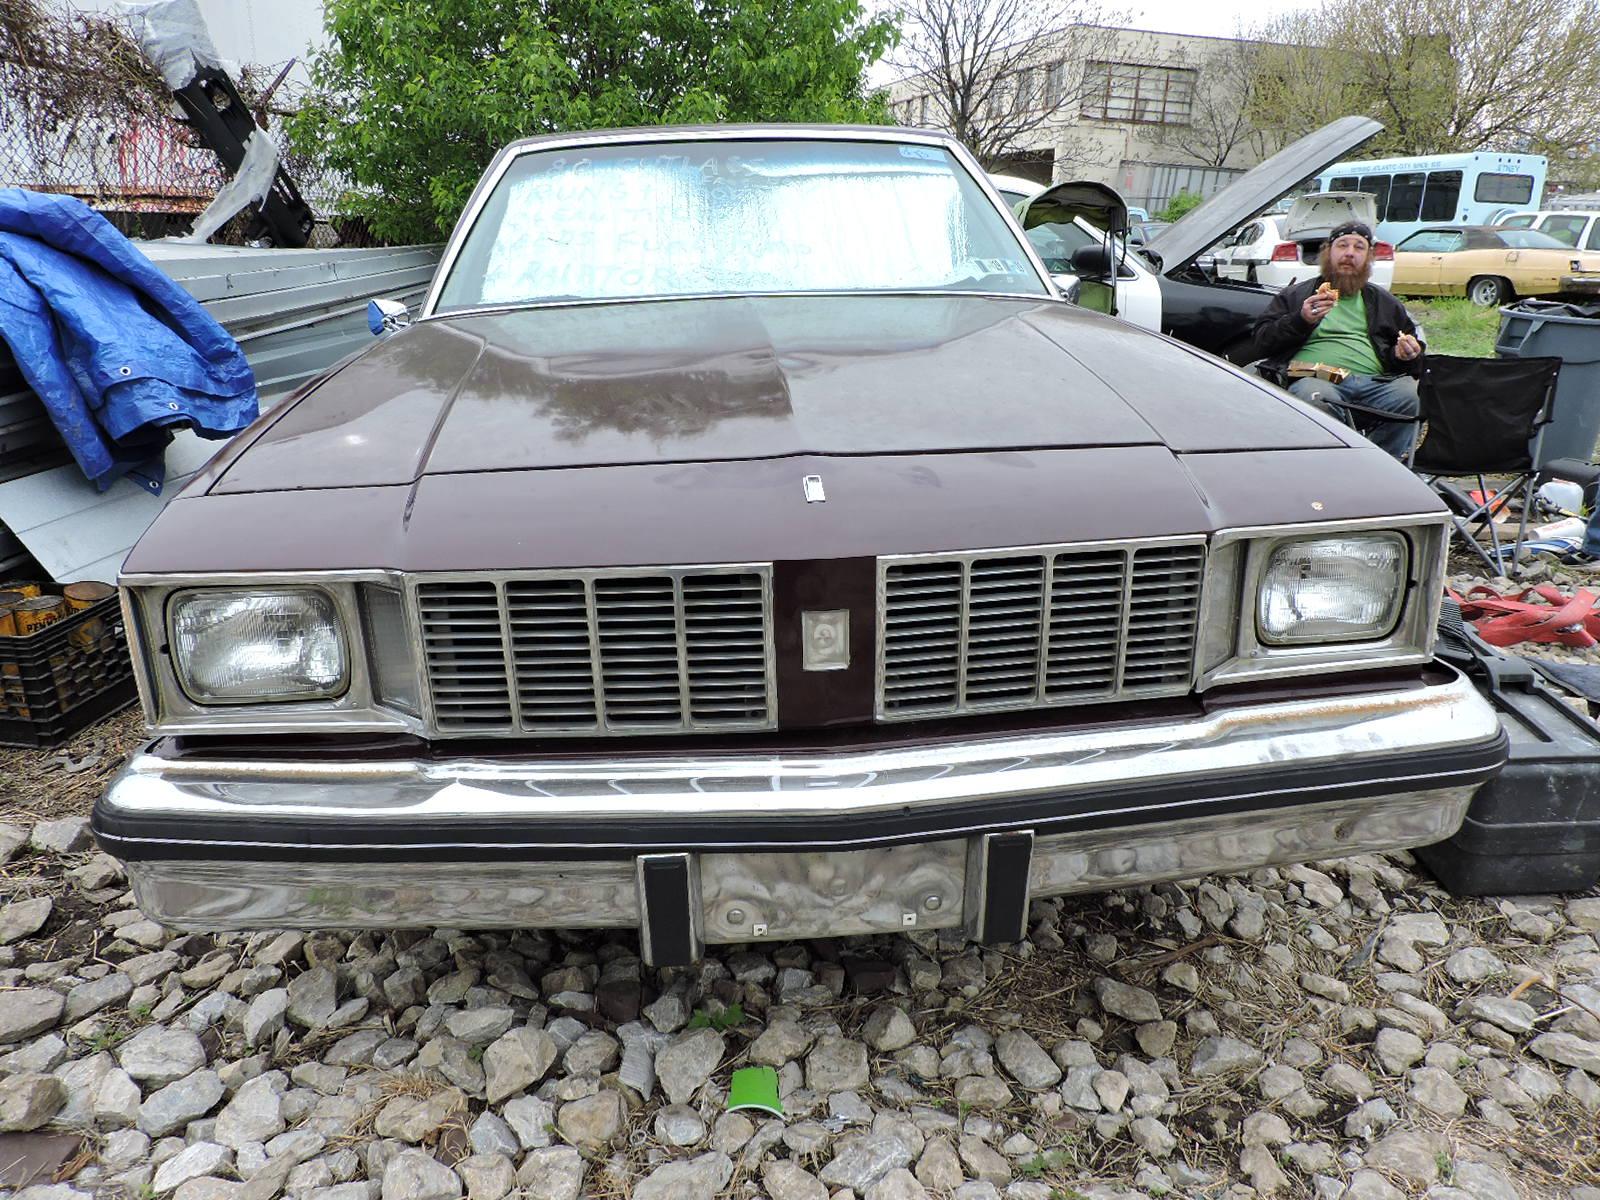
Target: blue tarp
(118,352)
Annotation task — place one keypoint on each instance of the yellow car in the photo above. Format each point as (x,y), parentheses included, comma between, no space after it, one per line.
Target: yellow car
(1489,264)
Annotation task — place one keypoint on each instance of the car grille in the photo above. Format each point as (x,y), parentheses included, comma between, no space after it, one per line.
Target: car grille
(614,653)
(1009,630)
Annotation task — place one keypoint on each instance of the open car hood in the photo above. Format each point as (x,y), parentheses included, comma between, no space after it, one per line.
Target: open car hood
(1317,215)
(1097,203)
(1180,243)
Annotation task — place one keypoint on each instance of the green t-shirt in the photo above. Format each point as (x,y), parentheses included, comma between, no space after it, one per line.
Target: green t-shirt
(1341,340)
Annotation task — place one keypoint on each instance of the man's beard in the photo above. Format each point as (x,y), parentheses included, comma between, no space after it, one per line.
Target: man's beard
(1349,283)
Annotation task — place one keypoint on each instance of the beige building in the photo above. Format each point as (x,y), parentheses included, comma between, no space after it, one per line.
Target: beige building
(1152,114)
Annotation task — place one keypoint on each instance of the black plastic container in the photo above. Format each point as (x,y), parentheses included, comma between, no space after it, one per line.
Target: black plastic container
(65,677)
(1536,827)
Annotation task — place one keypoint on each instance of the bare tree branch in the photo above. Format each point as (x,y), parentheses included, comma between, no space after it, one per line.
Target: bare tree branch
(1002,72)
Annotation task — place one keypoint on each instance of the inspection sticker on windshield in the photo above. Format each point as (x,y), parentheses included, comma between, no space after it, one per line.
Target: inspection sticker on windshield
(926,152)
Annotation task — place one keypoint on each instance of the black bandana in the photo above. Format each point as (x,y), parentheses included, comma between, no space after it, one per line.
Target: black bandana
(1358,227)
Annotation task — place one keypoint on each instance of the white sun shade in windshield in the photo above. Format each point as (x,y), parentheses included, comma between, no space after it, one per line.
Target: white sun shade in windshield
(735,217)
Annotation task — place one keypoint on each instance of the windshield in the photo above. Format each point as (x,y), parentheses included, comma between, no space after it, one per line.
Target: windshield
(1530,239)
(734,217)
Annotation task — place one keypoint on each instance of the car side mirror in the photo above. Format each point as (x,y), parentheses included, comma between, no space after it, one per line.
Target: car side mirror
(1070,286)
(1093,261)
(385,316)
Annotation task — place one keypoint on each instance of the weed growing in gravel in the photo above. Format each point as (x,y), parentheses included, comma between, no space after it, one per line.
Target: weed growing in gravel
(729,1018)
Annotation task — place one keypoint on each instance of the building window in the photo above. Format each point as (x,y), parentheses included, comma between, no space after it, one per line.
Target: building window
(1027,89)
(1055,80)
(1145,95)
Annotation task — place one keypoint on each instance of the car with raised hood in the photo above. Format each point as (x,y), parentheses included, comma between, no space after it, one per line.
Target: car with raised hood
(1172,284)
(747,542)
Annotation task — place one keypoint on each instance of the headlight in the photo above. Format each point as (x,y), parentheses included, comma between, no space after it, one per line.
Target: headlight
(1348,588)
(232,647)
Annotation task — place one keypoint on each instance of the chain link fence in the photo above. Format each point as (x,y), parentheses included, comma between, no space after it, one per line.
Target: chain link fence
(83,114)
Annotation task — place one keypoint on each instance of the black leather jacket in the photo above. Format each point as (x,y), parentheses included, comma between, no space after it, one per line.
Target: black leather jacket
(1281,330)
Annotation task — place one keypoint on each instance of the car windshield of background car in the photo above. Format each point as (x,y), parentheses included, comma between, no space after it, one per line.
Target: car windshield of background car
(1432,241)
(1566,230)
(734,217)
(1530,239)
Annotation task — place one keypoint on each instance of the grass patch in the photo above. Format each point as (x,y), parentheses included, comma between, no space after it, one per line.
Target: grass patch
(1456,326)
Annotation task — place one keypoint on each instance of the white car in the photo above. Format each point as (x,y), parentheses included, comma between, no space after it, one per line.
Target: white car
(1138,290)
(1278,249)
(1578,228)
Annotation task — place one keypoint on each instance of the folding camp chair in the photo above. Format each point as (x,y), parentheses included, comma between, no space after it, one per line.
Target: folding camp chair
(1482,417)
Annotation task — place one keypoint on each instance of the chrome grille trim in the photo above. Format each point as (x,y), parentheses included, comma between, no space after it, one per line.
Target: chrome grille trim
(633,651)
(1034,627)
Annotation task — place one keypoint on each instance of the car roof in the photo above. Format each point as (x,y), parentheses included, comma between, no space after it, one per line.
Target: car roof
(773,130)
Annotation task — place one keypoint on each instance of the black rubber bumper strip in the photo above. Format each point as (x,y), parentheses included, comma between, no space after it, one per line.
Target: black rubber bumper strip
(529,837)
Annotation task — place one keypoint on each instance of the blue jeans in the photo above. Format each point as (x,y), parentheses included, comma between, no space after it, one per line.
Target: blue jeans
(1372,394)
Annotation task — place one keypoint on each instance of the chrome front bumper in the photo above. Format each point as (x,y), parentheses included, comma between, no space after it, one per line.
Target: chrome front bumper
(746,847)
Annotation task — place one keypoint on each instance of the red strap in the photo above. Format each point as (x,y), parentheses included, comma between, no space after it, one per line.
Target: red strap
(1505,621)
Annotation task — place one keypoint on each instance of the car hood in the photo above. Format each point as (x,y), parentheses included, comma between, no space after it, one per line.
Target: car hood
(1317,215)
(756,378)
(1181,243)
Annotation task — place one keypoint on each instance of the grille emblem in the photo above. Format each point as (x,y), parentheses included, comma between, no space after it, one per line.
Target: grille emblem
(814,492)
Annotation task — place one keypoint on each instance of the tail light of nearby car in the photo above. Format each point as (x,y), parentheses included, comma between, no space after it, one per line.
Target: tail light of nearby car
(1383,251)
(1286,252)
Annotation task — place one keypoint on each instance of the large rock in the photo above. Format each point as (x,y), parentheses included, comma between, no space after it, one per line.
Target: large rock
(860,1162)
(516,1061)
(27,1011)
(1411,1154)
(1569,1050)
(899,1184)
(780,1042)
(265,1016)
(417,1175)
(888,1029)
(696,1179)
(788,1181)
(592,1121)
(1222,1056)
(174,1106)
(22,918)
(92,995)
(28,1101)
(66,836)
(413,1120)
(156,1055)
(1026,1061)
(555,1173)
(836,1064)
(531,1119)
(116,1101)
(202,1158)
(314,998)
(687,1061)
(255,1113)
(1125,1001)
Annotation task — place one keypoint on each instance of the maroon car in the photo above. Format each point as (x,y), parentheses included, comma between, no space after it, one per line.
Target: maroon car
(747,542)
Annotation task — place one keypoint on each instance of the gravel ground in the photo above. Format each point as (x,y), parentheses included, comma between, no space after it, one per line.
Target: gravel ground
(1344,1029)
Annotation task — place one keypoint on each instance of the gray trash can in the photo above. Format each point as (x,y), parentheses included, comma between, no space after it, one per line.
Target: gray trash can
(1570,332)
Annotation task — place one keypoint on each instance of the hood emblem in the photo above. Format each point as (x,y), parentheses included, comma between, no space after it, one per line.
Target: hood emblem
(813,487)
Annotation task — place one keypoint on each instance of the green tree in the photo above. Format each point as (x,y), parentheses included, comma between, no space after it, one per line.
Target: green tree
(411,100)
(1180,205)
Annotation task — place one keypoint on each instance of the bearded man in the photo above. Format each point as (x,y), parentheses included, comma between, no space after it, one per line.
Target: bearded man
(1341,319)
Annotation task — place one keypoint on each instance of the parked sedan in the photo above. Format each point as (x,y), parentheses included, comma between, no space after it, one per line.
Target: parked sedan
(747,542)
(1489,264)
